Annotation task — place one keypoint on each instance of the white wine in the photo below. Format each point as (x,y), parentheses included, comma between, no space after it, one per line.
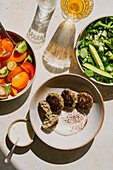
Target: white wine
(76,9)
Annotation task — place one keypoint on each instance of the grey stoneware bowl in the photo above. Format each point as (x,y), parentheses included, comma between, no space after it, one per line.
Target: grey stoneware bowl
(18,38)
(80,37)
(96,115)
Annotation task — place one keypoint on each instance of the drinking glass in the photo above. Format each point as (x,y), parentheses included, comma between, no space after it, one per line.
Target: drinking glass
(75,10)
(37,32)
(59,51)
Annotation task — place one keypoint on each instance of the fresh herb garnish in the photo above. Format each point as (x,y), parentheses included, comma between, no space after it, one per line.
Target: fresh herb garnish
(8,89)
(4,52)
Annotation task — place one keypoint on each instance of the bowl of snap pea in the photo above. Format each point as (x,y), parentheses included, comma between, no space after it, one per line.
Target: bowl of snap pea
(94,50)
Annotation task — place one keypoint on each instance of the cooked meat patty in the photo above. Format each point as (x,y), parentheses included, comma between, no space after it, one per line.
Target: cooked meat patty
(50,122)
(55,101)
(44,109)
(85,102)
(70,99)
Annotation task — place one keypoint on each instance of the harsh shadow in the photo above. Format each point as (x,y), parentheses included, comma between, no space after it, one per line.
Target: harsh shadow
(18,150)
(4,166)
(6,107)
(27,116)
(106,91)
(57,156)
(52,155)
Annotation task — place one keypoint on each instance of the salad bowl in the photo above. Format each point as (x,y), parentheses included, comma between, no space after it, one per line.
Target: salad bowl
(4,64)
(94,50)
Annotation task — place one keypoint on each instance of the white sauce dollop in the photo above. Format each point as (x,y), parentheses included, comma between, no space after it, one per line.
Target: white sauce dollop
(70,123)
(19,130)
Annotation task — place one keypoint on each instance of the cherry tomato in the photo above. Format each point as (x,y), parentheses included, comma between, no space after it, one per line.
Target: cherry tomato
(2,80)
(28,67)
(11,65)
(17,57)
(13,91)
(6,49)
(5,56)
(7,45)
(5,62)
(20,81)
(13,73)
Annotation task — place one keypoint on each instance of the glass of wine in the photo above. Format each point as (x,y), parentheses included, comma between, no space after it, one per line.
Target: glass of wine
(75,10)
(60,49)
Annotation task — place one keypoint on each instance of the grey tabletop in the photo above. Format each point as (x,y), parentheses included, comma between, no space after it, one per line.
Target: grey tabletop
(17,16)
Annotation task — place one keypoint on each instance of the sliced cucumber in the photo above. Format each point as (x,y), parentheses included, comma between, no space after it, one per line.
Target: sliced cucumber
(95,56)
(97,70)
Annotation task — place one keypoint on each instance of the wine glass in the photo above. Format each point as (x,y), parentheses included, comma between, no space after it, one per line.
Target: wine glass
(60,48)
(75,10)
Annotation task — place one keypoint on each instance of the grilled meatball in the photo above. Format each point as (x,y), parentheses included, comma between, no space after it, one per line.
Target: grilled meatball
(55,101)
(44,109)
(85,102)
(50,122)
(70,99)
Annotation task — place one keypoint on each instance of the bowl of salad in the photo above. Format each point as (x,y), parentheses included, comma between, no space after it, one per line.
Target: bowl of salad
(17,66)
(94,50)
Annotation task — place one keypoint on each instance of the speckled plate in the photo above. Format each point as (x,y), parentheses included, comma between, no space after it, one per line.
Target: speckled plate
(76,83)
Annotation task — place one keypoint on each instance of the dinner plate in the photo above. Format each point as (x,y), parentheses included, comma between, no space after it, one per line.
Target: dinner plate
(78,84)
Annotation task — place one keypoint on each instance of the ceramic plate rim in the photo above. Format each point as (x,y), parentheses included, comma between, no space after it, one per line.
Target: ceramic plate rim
(25,120)
(71,74)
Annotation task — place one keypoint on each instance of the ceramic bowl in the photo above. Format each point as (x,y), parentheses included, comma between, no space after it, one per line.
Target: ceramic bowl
(18,38)
(78,84)
(82,34)
(22,131)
